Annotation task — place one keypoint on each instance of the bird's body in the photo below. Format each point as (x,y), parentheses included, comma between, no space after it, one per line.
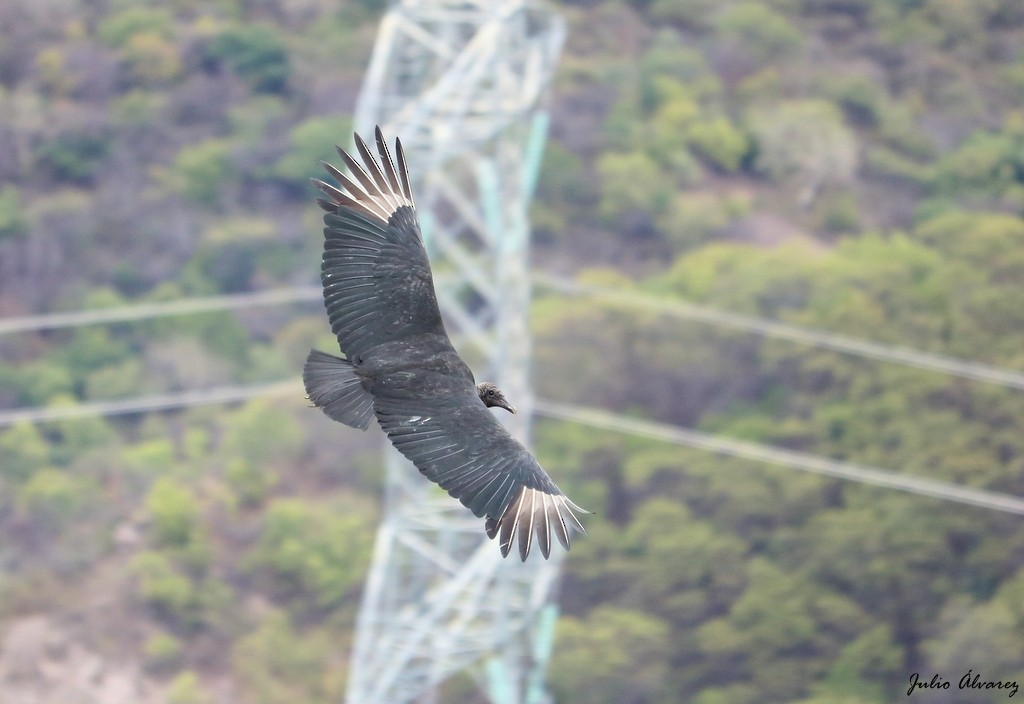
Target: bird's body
(401,367)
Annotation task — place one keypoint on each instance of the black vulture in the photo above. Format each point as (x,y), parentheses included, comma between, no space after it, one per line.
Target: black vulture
(400,366)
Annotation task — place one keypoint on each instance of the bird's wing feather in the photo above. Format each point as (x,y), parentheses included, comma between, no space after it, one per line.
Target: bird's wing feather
(381,303)
(333,385)
(457,443)
(375,273)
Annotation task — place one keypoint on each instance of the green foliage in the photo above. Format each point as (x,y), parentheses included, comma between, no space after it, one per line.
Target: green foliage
(314,553)
(118,380)
(278,664)
(729,694)
(799,612)
(256,53)
(1013,78)
(671,56)
(245,248)
(564,177)
(719,143)
(671,125)
(92,348)
(803,140)
(118,28)
(853,166)
(985,164)
(174,513)
(703,558)
(900,132)
(263,433)
(623,125)
(260,441)
(36,383)
(758,29)
(563,182)
(252,121)
(23,451)
(138,108)
(864,668)
(77,437)
(151,457)
(200,171)
(778,619)
(165,587)
(690,13)
(861,99)
(776,615)
(162,650)
(52,67)
(233,252)
(988,245)
(186,689)
(944,23)
(14,221)
(151,59)
(984,239)
(74,157)
(891,164)
(311,142)
(183,600)
(251,482)
(52,499)
(840,213)
(694,217)
(208,337)
(631,183)
(611,656)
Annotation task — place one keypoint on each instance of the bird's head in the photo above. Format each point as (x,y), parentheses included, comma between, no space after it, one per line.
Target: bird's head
(491,395)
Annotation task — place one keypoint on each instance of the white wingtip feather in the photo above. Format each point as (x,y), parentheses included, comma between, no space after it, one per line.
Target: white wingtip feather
(535,512)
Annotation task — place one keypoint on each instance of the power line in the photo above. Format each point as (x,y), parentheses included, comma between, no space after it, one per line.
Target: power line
(143,311)
(674,308)
(575,414)
(794,333)
(146,404)
(777,456)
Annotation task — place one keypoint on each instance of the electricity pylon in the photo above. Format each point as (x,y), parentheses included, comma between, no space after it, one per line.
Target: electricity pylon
(462,82)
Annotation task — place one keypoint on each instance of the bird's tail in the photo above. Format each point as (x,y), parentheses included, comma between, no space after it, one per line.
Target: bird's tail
(333,387)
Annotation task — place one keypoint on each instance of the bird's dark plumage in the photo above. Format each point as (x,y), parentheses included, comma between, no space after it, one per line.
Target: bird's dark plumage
(401,367)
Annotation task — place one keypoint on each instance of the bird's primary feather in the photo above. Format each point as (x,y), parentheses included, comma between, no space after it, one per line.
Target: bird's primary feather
(381,303)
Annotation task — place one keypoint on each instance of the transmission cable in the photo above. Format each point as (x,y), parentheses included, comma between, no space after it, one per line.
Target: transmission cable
(145,311)
(146,404)
(815,464)
(603,420)
(610,296)
(794,333)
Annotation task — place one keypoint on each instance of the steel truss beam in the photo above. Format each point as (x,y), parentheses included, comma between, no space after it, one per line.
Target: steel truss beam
(462,83)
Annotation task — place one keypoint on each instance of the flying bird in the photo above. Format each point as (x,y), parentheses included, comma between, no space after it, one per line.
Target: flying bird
(400,366)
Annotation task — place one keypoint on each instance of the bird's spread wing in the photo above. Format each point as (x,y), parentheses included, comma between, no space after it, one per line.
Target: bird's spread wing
(456,442)
(380,299)
(375,273)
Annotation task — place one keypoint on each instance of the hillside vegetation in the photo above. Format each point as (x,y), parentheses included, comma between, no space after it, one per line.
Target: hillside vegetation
(853,166)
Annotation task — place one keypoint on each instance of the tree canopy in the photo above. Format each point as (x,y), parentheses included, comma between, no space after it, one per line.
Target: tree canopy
(854,166)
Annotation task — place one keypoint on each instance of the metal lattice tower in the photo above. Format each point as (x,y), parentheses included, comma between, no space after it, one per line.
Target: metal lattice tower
(462,83)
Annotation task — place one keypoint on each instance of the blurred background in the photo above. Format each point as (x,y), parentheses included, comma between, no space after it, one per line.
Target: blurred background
(852,168)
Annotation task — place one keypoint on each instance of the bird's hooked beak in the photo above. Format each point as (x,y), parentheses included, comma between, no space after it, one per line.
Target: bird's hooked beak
(506,405)
(492,396)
